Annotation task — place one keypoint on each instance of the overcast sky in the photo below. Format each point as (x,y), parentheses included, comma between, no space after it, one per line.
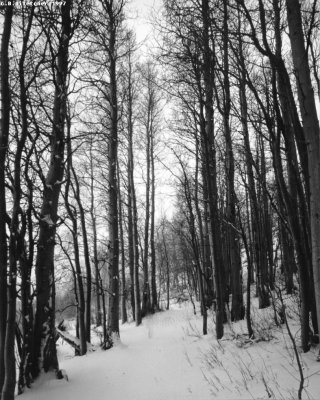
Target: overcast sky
(142,10)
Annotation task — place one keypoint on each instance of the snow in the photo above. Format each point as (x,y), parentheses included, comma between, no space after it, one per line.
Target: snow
(47,219)
(73,339)
(167,357)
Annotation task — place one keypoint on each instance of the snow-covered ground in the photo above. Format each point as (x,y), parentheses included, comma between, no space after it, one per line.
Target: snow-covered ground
(168,358)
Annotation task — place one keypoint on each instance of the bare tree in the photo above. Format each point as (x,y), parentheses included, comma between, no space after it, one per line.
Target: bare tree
(311,132)
(149,118)
(45,356)
(4,135)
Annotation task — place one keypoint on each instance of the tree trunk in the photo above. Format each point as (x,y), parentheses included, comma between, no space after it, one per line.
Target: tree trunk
(203,233)
(262,267)
(45,355)
(77,196)
(237,307)
(130,241)
(132,212)
(146,304)
(136,260)
(249,270)
(124,316)
(154,297)
(95,241)
(211,171)
(4,135)
(167,270)
(195,247)
(288,259)
(17,231)
(311,132)
(113,241)
(72,212)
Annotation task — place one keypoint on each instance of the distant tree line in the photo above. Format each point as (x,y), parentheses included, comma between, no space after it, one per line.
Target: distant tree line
(243,74)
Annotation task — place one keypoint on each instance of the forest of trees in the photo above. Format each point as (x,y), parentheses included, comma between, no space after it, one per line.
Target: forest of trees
(226,104)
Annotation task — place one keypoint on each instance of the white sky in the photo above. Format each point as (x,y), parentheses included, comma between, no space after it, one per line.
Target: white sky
(139,14)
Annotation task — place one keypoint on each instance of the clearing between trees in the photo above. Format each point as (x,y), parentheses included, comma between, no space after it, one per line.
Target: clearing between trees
(167,357)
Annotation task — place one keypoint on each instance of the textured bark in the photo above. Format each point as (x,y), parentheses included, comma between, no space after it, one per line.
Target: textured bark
(130,168)
(211,173)
(289,195)
(133,230)
(131,258)
(16,241)
(124,316)
(233,249)
(136,260)
(146,303)
(132,209)
(166,257)
(95,241)
(266,218)
(4,134)
(203,227)
(261,249)
(113,240)
(107,340)
(248,283)
(251,198)
(26,263)
(311,131)
(154,297)
(195,249)
(288,259)
(45,355)
(72,212)
(77,196)
(296,196)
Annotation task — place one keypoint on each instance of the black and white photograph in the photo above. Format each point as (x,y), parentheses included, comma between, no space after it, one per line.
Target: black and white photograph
(159,199)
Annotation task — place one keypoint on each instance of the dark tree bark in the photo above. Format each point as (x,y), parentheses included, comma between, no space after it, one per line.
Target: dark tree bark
(133,230)
(297,194)
(113,13)
(154,297)
(17,232)
(130,178)
(131,257)
(166,257)
(124,316)
(211,172)
(45,355)
(311,131)
(191,219)
(262,218)
(288,259)
(95,240)
(73,215)
(237,307)
(203,227)
(26,263)
(146,302)
(132,206)
(77,196)
(4,135)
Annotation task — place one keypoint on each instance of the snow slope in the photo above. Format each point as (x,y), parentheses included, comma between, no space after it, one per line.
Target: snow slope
(168,358)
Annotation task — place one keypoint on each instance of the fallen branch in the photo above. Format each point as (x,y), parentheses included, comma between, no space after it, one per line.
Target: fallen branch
(72,340)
